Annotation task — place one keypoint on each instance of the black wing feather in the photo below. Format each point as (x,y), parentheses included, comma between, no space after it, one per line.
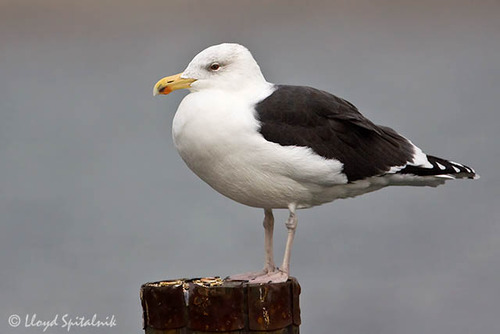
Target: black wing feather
(439,167)
(332,128)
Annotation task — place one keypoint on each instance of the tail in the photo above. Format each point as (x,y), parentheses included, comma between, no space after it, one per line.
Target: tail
(441,168)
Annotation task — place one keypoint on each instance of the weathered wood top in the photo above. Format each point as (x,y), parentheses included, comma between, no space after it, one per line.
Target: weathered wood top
(200,305)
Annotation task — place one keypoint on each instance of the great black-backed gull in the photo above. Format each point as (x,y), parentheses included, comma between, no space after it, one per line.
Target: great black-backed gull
(279,146)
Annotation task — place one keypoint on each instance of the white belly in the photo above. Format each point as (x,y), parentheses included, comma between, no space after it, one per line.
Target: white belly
(222,146)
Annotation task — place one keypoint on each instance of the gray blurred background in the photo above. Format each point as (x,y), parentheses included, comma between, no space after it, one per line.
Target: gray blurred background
(95,201)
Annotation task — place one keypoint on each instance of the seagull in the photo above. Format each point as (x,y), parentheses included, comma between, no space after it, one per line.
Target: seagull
(289,147)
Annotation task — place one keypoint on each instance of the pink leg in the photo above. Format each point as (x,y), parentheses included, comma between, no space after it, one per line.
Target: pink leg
(269,265)
(281,275)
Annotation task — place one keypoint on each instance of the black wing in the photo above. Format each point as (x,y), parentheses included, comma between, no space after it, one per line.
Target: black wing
(333,128)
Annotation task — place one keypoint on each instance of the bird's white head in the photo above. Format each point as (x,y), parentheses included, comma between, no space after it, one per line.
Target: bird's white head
(225,66)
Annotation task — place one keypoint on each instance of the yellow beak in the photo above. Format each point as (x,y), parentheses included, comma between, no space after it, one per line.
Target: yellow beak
(169,84)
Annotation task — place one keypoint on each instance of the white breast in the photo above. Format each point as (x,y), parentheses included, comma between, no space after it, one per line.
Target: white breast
(217,136)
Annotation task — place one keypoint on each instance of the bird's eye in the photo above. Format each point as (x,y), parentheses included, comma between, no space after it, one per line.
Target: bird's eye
(214,66)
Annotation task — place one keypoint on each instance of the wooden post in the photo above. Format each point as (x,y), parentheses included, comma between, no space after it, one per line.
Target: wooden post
(207,305)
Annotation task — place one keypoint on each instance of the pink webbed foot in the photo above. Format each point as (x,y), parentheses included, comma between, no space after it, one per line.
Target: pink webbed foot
(252,275)
(247,276)
(276,276)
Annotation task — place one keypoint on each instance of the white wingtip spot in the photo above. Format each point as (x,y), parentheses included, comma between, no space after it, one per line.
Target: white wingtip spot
(440,166)
(456,163)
